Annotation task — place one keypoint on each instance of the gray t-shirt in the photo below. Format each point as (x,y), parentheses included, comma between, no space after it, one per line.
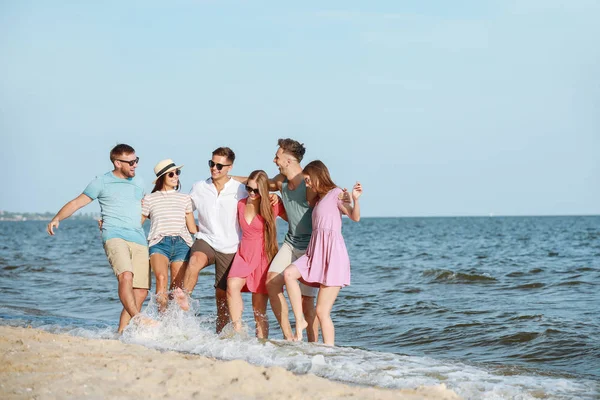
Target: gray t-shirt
(299,215)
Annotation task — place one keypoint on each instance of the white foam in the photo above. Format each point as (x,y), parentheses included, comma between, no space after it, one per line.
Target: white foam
(193,332)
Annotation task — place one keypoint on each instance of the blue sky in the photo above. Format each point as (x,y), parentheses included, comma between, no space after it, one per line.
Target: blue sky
(437,108)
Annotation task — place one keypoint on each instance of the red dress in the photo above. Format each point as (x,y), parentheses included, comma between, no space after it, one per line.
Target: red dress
(250,261)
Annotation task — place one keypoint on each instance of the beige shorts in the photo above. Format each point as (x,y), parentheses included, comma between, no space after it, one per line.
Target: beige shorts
(125,256)
(286,256)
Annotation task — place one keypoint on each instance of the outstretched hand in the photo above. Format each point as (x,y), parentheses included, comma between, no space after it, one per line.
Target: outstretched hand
(50,228)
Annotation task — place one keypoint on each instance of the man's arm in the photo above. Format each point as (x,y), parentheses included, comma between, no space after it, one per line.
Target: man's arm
(241,179)
(276,182)
(68,210)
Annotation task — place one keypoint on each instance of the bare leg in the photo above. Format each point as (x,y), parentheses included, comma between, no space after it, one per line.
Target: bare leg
(198,261)
(222,310)
(325,300)
(178,269)
(160,266)
(275,282)
(310,315)
(291,276)
(259,306)
(235,301)
(132,299)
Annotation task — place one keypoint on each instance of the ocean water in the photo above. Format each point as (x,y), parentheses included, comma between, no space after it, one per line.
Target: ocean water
(492,307)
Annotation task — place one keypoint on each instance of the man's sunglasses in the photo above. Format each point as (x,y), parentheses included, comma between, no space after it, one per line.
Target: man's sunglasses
(251,190)
(132,162)
(211,164)
(173,173)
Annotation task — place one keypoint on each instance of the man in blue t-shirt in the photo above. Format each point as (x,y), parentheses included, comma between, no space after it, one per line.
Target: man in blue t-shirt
(119,193)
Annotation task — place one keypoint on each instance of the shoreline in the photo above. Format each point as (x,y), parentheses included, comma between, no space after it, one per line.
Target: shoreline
(41,365)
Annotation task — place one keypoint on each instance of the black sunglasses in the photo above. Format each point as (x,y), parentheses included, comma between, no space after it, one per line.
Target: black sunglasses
(251,190)
(211,164)
(132,162)
(172,174)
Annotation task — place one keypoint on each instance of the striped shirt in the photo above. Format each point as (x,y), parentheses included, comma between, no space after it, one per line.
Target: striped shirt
(166,211)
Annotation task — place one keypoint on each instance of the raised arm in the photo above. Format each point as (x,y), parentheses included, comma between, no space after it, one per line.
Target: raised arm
(352,211)
(67,210)
(240,179)
(276,182)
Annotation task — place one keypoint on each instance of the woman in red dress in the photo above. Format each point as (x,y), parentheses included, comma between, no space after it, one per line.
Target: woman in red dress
(257,248)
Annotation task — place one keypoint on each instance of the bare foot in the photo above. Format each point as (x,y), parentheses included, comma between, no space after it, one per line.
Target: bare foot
(300,327)
(237,326)
(161,299)
(144,321)
(181,298)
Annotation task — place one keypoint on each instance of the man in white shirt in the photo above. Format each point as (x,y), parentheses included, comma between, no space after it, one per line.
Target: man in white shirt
(219,232)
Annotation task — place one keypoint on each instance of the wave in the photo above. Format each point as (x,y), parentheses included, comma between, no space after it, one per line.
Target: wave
(447,276)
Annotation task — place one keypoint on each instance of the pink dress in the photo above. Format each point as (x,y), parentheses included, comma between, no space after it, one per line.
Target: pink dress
(326,260)
(250,261)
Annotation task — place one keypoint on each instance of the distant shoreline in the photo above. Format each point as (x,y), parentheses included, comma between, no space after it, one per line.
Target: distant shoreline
(31,216)
(24,217)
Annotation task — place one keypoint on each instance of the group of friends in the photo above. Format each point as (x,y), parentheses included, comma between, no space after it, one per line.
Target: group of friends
(236,231)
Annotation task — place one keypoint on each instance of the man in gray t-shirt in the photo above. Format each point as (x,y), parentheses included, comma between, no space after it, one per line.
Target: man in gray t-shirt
(297,202)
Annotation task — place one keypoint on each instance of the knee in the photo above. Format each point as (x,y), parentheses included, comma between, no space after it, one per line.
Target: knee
(274,284)
(197,262)
(125,277)
(161,279)
(322,313)
(231,290)
(308,303)
(289,275)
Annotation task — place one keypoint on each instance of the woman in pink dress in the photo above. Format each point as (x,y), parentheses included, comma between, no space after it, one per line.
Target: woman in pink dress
(257,248)
(326,263)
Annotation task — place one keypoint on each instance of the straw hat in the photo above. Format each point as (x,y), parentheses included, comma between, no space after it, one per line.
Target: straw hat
(163,167)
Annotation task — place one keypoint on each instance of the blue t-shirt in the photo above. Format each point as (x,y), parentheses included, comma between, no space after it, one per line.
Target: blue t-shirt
(120,205)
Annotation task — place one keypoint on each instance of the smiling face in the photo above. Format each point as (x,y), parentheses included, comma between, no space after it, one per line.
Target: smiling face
(252,188)
(171,179)
(222,162)
(122,165)
(283,160)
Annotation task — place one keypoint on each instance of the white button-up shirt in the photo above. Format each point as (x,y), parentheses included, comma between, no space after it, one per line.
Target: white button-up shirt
(217,214)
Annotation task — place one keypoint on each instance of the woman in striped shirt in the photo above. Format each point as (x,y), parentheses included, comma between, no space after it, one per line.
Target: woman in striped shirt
(172,221)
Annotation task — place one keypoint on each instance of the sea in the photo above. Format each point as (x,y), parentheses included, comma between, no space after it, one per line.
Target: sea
(491,307)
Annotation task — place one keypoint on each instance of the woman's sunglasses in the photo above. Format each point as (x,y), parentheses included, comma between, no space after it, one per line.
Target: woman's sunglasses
(252,190)
(172,174)
(211,164)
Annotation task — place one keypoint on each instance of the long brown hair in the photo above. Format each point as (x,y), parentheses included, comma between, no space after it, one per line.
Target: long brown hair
(161,181)
(320,178)
(266,211)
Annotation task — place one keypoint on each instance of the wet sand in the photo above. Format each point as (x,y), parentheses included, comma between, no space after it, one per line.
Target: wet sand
(40,365)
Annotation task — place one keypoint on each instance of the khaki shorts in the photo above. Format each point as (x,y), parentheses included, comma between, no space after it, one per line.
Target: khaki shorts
(286,256)
(125,256)
(222,261)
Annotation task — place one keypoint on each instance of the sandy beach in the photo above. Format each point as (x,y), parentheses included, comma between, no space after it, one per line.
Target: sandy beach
(40,365)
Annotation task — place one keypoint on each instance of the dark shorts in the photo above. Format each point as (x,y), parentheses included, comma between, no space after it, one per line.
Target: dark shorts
(222,262)
(172,247)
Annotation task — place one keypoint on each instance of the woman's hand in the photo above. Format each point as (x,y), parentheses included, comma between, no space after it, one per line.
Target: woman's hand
(356,191)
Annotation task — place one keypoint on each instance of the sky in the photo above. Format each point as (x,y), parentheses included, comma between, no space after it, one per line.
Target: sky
(438,108)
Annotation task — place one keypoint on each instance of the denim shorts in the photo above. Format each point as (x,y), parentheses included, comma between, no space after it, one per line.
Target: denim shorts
(172,247)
